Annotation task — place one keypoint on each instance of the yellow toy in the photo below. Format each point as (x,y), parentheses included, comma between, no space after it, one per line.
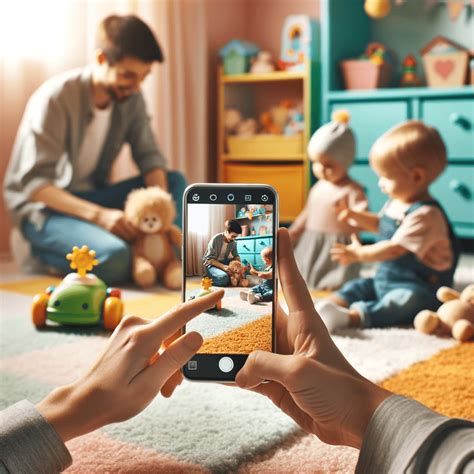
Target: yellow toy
(206,285)
(377,8)
(152,211)
(455,316)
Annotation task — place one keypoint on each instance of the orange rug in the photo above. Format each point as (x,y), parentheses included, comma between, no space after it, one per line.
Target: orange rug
(444,383)
(243,340)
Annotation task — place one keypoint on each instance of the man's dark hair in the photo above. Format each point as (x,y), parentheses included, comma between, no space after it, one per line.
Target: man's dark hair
(121,36)
(232,225)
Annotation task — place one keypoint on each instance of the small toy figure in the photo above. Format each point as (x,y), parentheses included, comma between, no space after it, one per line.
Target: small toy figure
(234,124)
(455,317)
(206,285)
(81,298)
(152,211)
(237,274)
(409,76)
(263,63)
(416,246)
(264,290)
(313,233)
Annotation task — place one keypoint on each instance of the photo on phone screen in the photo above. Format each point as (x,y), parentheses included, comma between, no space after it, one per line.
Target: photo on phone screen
(229,243)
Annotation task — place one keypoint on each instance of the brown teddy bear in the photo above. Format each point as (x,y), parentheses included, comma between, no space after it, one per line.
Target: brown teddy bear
(237,275)
(152,211)
(455,316)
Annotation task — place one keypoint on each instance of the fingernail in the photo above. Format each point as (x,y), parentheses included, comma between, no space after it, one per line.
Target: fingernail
(193,341)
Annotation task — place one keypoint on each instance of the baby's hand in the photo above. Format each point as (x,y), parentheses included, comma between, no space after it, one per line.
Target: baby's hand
(343,211)
(347,254)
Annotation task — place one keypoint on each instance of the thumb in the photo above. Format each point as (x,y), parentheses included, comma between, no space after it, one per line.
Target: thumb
(262,366)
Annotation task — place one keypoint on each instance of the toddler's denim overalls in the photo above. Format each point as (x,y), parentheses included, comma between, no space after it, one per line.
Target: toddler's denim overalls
(264,288)
(401,287)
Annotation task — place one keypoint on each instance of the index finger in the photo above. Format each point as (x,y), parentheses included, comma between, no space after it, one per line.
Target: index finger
(173,320)
(294,287)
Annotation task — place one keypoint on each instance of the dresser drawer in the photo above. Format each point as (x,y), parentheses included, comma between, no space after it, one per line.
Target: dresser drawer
(369,120)
(365,176)
(454,119)
(454,189)
(261,243)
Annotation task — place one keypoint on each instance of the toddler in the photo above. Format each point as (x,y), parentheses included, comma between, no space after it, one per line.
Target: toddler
(264,290)
(316,229)
(416,245)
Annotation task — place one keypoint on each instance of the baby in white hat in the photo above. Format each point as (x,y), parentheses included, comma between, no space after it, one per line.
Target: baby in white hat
(316,229)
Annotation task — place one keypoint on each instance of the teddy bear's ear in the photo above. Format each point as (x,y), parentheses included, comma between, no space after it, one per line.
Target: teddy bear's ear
(445,294)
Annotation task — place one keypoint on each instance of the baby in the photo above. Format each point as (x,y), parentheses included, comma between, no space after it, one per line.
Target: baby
(416,244)
(264,290)
(314,232)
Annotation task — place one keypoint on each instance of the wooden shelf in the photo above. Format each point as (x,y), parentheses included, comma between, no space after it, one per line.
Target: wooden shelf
(268,77)
(230,158)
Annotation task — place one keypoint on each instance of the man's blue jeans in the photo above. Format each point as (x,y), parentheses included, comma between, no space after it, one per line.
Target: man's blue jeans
(219,277)
(61,232)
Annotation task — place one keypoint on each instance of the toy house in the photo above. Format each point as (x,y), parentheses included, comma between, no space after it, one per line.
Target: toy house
(236,56)
(445,63)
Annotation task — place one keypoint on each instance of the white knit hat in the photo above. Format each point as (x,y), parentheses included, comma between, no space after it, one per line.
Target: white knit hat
(335,139)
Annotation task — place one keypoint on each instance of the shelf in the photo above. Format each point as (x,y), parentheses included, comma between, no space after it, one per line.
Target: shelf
(400,93)
(268,77)
(300,158)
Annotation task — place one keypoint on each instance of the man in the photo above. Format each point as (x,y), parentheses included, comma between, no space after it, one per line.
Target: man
(221,250)
(73,128)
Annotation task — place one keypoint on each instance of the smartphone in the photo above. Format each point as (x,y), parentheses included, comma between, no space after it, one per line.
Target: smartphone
(230,242)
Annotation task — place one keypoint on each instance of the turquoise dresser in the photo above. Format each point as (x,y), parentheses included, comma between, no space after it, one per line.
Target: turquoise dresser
(345,32)
(249,249)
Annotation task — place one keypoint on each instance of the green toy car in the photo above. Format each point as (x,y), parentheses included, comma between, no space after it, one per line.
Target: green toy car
(80,299)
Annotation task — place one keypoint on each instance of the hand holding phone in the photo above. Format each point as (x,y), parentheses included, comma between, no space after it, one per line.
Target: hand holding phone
(218,253)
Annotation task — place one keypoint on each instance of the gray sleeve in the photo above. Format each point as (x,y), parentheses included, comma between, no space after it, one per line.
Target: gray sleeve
(233,249)
(29,443)
(404,436)
(140,136)
(213,249)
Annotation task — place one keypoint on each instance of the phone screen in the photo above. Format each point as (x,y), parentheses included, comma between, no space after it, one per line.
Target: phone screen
(229,243)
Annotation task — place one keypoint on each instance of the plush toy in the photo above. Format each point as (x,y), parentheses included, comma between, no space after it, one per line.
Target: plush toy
(236,125)
(263,63)
(455,316)
(274,121)
(152,211)
(237,277)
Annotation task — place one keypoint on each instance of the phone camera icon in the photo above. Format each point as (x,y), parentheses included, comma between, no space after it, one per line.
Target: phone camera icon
(192,365)
(248,197)
(195,197)
(230,197)
(213,197)
(264,198)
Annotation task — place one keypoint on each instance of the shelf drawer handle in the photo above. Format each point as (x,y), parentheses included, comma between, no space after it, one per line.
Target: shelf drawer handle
(460,188)
(459,120)
(246,248)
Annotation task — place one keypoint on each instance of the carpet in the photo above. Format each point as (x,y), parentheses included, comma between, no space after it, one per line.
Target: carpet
(210,427)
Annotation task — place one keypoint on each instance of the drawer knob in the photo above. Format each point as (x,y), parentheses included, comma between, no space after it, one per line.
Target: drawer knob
(246,248)
(459,120)
(460,188)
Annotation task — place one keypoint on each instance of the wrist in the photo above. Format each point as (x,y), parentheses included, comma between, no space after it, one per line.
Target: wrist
(369,397)
(64,410)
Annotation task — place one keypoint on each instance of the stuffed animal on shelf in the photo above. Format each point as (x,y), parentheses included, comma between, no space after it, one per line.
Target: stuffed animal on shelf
(455,316)
(263,63)
(235,124)
(152,211)
(237,277)
(274,121)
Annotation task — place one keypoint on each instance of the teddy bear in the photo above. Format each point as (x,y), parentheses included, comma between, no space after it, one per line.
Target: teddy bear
(235,124)
(237,275)
(152,211)
(455,316)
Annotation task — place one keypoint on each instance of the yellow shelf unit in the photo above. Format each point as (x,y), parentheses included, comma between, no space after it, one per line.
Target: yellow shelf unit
(287,172)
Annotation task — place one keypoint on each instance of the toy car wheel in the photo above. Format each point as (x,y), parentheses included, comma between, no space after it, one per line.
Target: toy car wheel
(112,313)
(38,309)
